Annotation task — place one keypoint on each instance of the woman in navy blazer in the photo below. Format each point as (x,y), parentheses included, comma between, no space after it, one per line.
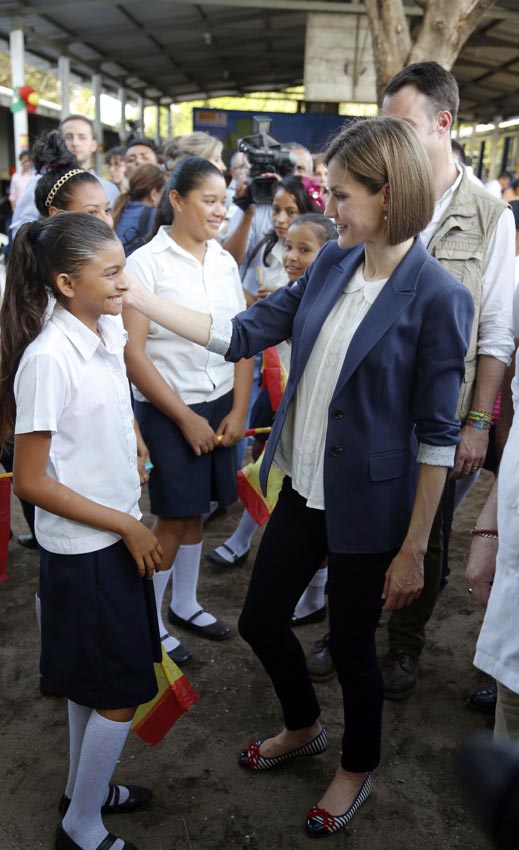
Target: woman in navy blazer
(365,433)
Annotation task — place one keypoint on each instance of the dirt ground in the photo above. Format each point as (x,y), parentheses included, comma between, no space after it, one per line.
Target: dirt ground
(203,800)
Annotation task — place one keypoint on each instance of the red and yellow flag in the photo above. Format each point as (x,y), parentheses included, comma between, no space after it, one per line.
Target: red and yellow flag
(273,376)
(175,696)
(250,494)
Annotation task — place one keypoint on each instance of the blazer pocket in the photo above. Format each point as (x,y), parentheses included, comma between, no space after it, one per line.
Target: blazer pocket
(387,465)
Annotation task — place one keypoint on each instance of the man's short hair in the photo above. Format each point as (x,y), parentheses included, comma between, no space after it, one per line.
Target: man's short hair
(117,152)
(144,141)
(292,146)
(437,84)
(77,117)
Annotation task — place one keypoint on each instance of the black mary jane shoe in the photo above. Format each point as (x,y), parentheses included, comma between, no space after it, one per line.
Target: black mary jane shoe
(138,798)
(213,631)
(180,654)
(236,560)
(65,842)
(314,617)
(484,699)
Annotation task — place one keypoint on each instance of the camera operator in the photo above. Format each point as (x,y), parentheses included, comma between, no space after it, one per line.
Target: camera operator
(251,222)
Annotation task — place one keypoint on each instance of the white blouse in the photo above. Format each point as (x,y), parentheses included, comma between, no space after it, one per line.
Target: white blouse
(300,450)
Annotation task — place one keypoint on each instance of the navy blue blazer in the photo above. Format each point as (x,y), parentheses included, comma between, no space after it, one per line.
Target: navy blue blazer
(399,384)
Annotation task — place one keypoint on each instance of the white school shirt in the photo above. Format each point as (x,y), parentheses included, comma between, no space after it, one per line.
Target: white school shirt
(495,328)
(166,269)
(72,385)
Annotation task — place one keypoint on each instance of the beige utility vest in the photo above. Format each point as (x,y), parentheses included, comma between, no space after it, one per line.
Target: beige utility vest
(460,243)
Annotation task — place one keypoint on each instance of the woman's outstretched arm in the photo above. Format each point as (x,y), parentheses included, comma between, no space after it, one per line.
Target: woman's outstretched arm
(187,323)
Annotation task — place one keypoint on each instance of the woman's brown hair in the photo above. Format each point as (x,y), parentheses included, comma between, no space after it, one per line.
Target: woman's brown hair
(387,151)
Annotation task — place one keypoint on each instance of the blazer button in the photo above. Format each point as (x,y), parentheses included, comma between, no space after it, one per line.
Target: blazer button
(335,451)
(338,413)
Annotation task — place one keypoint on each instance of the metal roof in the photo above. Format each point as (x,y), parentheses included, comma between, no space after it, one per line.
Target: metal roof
(167,50)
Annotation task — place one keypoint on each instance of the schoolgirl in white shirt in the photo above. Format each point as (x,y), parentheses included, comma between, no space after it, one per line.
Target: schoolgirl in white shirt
(191,404)
(64,392)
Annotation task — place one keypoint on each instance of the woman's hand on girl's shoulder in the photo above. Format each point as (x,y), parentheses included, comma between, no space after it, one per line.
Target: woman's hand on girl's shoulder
(198,433)
(231,429)
(143,546)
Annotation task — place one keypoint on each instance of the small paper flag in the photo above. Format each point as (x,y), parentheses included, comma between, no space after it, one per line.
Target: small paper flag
(175,696)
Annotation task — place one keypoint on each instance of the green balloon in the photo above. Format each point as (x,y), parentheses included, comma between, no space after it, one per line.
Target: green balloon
(17,105)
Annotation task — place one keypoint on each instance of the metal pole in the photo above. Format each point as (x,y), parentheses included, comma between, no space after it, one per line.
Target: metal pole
(20,120)
(493,167)
(141,115)
(64,81)
(157,125)
(169,127)
(122,125)
(98,130)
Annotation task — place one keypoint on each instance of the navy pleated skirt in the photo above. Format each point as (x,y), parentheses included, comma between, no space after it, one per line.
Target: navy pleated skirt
(182,484)
(100,634)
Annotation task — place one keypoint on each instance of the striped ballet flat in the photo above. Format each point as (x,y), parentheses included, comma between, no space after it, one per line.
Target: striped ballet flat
(320,823)
(251,757)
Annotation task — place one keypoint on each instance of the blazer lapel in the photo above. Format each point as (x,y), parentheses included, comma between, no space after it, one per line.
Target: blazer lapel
(394,298)
(325,297)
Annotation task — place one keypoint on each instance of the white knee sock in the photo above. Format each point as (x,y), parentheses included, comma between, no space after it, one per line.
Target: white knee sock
(102,745)
(212,507)
(240,542)
(37,610)
(313,597)
(186,568)
(78,717)
(160,582)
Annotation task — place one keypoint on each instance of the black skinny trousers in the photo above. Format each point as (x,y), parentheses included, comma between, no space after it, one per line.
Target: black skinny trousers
(292,548)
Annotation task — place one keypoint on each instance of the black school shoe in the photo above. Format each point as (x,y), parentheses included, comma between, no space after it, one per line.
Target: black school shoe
(65,842)
(213,631)
(484,699)
(139,798)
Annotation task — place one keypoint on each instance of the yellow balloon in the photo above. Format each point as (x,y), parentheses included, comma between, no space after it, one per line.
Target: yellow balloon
(33,98)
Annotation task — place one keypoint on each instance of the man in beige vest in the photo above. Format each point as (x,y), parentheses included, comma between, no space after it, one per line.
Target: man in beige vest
(473,235)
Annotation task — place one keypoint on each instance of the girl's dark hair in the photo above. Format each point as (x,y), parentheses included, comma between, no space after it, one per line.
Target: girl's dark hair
(163,215)
(323,227)
(53,160)
(186,176)
(295,187)
(190,173)
(142,181)
(41,250)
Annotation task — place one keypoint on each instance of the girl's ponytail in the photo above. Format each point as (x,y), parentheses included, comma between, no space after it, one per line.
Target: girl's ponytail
(41,250)
(24,304)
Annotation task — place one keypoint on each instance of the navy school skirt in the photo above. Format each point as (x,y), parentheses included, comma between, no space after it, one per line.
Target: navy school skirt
(182,484)
(100,634)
